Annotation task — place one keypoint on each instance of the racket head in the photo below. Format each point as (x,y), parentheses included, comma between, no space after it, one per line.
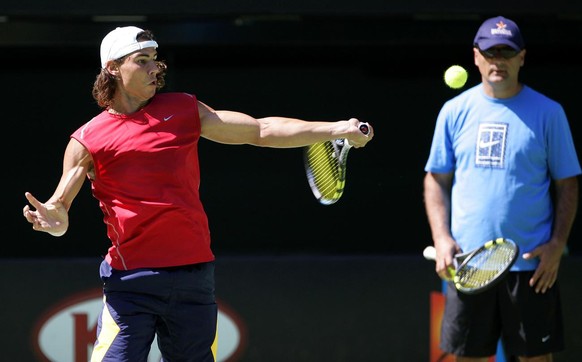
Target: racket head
(325,165)
(485,266)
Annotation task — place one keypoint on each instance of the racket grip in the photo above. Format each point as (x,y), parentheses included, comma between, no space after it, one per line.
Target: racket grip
(364,128)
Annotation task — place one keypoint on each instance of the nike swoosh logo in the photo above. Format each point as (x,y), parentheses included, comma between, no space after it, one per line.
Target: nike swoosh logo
(168,118)
(546,338)
(484,144)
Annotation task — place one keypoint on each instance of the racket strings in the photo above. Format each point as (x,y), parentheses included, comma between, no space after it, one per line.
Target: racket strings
(485,266)
(324,172)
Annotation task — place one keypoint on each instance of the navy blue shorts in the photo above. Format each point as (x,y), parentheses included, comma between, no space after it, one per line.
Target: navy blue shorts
(175,304)
(529,324)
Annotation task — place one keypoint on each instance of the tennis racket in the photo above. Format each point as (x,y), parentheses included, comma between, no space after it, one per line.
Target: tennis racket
(481,268)
(325,165)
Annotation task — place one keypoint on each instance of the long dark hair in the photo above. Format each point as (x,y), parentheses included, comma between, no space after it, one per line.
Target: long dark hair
(105,83)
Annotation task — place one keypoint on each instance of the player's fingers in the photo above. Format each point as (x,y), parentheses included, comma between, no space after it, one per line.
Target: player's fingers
(542,281)
(534,279)
(446,273)
(28,214)
(33,200)
(549,281)
(542,286)
(530,255)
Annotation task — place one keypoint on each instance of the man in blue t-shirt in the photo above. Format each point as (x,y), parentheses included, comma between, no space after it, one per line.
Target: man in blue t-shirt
(502,164)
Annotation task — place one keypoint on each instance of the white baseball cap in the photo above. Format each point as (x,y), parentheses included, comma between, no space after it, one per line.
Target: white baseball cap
(121,42)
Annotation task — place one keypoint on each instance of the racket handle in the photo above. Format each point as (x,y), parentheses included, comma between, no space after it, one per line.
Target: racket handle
(364,128)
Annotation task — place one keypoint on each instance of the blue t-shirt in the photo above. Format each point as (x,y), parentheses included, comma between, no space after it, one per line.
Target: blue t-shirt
(504,153)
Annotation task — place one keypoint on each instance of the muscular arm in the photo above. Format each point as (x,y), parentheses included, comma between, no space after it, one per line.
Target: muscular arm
(280,132)
(437,202)
(52,216)
(550,253)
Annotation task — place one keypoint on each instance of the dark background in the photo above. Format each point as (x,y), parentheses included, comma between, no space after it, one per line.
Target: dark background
(379,61)
(289,308)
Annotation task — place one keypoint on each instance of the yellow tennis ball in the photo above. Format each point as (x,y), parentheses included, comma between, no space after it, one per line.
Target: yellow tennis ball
(456,76)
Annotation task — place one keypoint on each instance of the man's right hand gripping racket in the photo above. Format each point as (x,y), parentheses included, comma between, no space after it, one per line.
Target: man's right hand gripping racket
(325,165)
(480,269)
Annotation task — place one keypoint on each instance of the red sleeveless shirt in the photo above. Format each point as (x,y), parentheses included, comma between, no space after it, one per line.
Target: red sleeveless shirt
(147,182)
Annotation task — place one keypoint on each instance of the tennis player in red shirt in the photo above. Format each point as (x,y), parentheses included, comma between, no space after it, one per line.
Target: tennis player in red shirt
(141,156)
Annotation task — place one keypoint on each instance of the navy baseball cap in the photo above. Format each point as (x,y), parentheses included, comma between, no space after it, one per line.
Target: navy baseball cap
(499,31)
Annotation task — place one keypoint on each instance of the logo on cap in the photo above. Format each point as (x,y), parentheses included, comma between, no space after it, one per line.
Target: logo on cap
(501,29)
